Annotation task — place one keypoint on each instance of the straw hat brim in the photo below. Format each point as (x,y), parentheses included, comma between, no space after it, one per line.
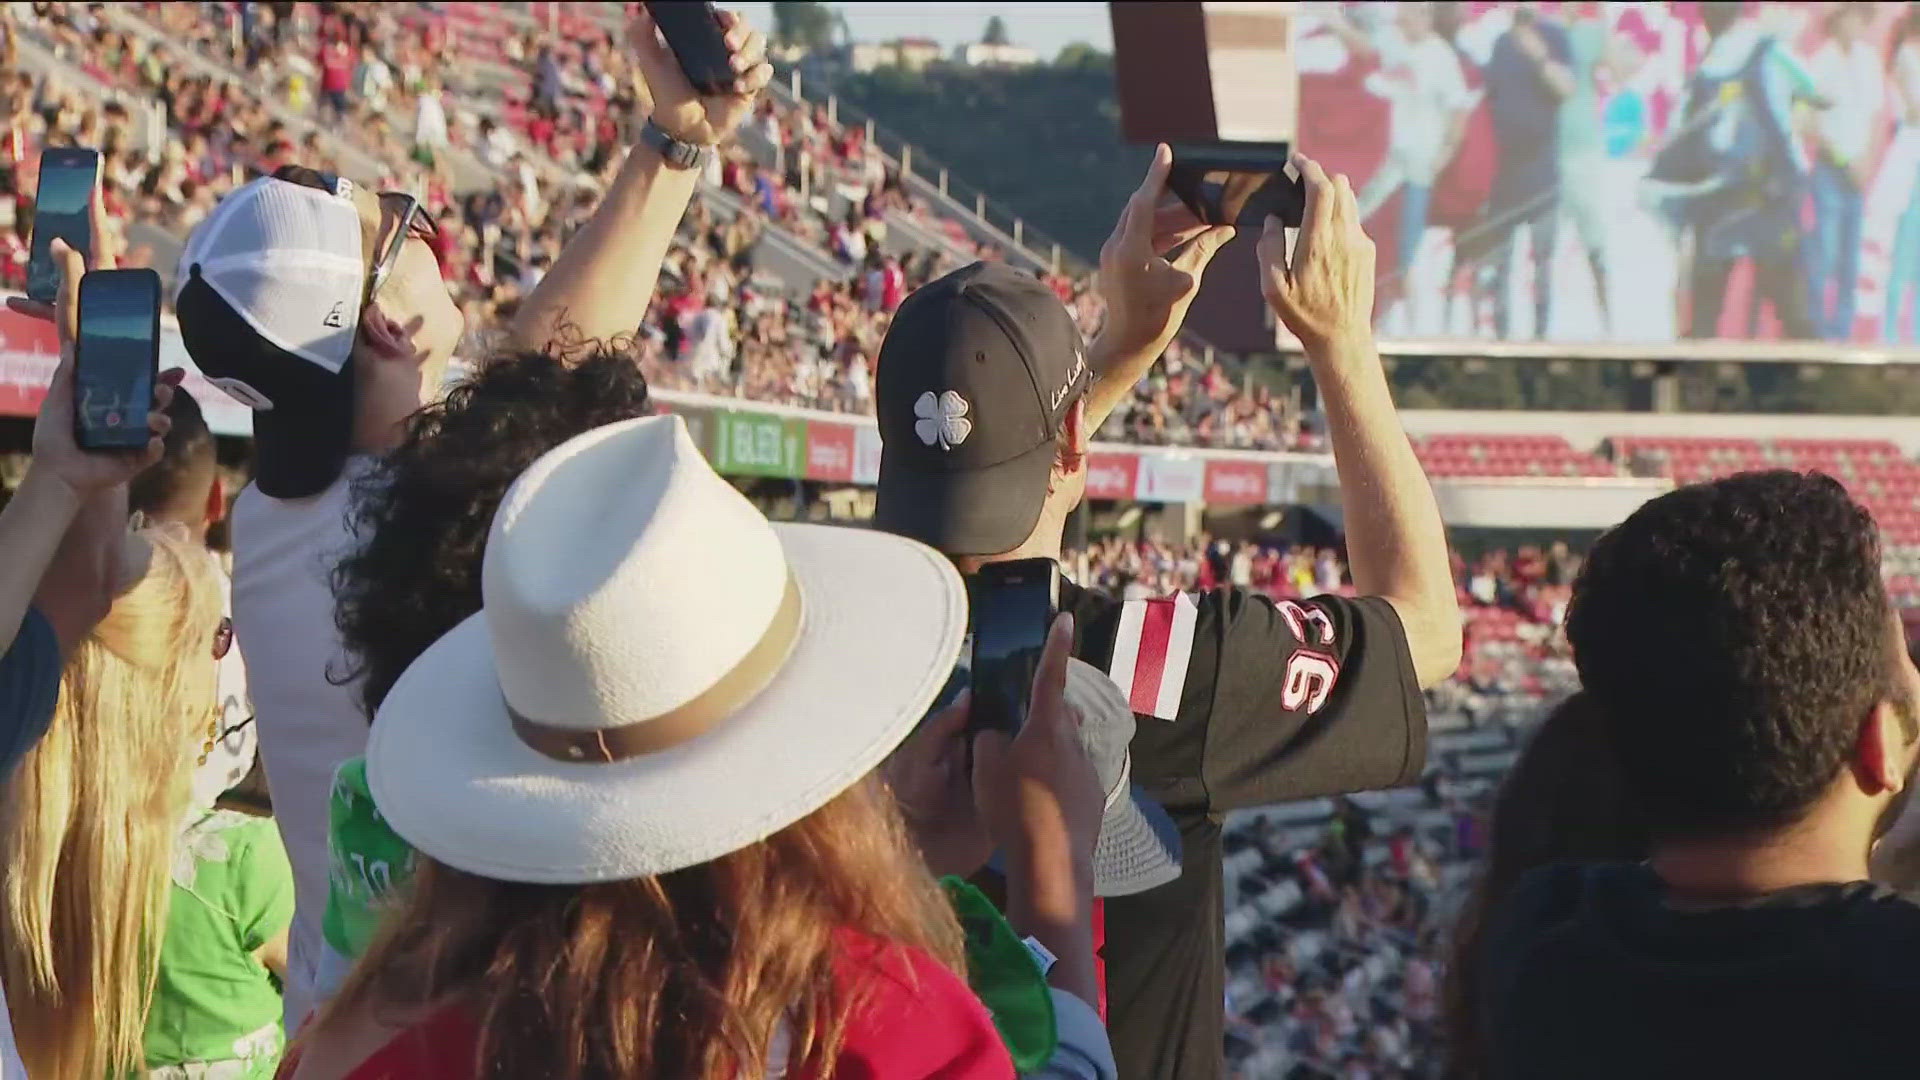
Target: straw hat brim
(882,625)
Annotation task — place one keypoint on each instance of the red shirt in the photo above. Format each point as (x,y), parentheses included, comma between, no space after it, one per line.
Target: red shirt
(920,1023)
(893,286)
(336,68)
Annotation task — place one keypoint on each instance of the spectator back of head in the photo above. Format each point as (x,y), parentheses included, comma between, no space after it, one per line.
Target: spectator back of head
(180,487)
(977,376)
(1737,635)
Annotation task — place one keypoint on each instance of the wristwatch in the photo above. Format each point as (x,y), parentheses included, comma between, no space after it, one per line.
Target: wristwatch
(675,152)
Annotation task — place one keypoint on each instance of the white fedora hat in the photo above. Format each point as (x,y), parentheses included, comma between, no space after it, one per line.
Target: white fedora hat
(660,676)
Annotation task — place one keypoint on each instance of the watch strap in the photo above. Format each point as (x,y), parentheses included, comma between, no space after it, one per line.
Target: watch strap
(677,153)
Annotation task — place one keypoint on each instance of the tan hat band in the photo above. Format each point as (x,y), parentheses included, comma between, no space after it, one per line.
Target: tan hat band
(741,684)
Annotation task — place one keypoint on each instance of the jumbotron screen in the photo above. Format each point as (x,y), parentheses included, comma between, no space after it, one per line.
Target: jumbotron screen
(1606,173)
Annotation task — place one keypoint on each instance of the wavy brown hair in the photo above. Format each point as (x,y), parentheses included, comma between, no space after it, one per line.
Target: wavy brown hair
(687,974)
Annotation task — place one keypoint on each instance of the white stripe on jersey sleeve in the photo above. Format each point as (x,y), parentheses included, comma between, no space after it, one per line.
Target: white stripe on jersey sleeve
(1173,676)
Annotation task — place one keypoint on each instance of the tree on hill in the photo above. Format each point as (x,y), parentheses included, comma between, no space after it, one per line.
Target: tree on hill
(803,24)
(1079,54)
(996,32)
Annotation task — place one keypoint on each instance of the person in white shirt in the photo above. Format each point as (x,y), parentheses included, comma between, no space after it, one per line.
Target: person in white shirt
(1420,76)
(1900,173)
(320,304)
(430,121)
(1849,73)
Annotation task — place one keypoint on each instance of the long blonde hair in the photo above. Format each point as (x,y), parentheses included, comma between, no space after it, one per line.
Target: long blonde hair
(685,975)
(89,818)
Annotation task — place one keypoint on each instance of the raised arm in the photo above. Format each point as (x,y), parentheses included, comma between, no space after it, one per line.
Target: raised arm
(1147,285)
(1396,544)
(600,286)
(64,532)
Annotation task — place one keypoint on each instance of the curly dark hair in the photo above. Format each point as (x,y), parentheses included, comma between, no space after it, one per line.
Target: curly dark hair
(423,513)
(1736,635)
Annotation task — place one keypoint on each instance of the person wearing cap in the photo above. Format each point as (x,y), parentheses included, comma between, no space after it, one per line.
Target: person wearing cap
(987,399)
(650,842)
(321,305)
(417,575)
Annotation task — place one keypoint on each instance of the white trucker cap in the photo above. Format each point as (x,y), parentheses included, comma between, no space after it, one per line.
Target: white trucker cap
(270,291)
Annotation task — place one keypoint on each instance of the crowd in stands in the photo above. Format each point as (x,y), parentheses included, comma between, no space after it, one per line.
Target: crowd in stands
(579,765)
(330,86)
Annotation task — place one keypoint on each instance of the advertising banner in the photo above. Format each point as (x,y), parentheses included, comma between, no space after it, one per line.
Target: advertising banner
(29,354)
(752,444)
(1235,482)
(1625,173)
(1170,478)
(829,451)
(1112,475)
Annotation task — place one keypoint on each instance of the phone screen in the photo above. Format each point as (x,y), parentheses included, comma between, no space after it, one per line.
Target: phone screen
(116,358)
(1013,608)
(60,209)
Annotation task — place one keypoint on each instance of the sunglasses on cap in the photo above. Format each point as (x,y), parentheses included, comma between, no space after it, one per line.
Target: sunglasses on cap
(415,223)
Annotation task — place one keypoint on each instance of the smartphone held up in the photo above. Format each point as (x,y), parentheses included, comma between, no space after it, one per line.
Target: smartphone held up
(1239,184)
(62,208)
(693,33)
(116,358)
(1013,605)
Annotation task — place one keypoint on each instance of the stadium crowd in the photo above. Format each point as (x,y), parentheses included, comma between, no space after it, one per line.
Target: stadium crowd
(535,165)
(580,766)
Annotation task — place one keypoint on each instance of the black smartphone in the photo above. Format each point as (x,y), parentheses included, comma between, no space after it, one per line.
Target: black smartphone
(60,208)
(692,30)
(116,358)
(1238,184)
(1013,605)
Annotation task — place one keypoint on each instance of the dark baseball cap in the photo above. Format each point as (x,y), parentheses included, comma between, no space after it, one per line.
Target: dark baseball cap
(270,290)
(976,377)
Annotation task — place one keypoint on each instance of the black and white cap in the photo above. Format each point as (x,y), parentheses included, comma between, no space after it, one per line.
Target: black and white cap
(270,288)
(976,376)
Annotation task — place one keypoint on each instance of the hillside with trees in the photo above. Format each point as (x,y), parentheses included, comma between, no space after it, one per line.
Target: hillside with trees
(1043,141)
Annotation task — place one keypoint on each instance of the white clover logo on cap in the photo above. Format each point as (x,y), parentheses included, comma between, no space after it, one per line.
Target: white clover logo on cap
(943,420)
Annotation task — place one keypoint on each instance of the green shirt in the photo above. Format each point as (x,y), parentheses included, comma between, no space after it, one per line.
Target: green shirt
(216,1009)
(366,859)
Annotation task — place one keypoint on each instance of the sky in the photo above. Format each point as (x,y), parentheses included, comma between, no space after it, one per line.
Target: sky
(1043,27)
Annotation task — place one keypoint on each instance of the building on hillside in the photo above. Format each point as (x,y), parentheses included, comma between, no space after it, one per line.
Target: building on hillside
(981,54)
(910,53)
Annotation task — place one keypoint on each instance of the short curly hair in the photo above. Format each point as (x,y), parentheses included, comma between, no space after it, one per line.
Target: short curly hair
(421,515)
(1736,633)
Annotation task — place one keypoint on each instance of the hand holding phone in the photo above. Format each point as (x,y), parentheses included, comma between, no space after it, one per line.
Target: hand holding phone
(1013,604)
(63,208)
(692,29)
(704,80)
(1239,184)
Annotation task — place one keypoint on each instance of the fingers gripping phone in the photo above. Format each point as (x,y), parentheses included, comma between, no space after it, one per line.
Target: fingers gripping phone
(116,358)
(1013,605)
(692,30)
(62,205)
(1238,184)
